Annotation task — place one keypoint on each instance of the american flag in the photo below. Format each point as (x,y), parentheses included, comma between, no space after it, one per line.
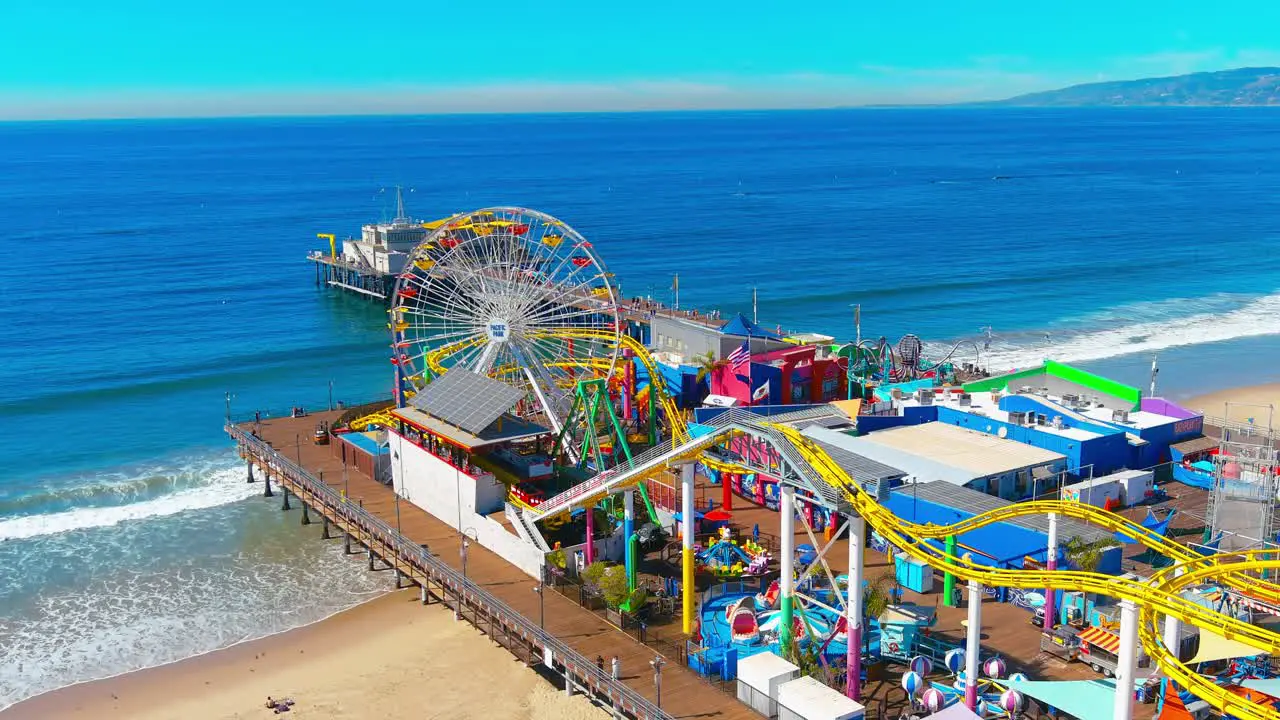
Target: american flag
(740,357)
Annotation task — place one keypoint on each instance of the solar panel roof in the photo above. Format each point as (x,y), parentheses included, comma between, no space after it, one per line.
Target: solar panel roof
(466,400)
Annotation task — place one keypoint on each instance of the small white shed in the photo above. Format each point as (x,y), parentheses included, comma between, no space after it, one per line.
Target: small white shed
(759,677)
(807,698)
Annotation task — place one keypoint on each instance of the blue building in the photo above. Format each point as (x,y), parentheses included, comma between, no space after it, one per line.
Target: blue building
(1098,425)
(1003,545)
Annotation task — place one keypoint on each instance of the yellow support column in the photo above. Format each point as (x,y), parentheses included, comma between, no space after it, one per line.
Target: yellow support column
(686,555)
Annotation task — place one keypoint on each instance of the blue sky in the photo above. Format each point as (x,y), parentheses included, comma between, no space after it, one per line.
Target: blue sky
(77,58)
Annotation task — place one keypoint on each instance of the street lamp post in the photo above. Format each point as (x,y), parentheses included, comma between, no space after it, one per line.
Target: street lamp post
(330,394)
(657,664)
(462,549)
(542,609)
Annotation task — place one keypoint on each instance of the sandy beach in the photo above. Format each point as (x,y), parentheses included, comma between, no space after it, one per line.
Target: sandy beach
(387,658)
(1240,404)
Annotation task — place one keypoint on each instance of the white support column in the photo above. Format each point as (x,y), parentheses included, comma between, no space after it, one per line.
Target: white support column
(1127,663)
(686,555)
(1173,627)
(853,609)
(787,541)
(973,645)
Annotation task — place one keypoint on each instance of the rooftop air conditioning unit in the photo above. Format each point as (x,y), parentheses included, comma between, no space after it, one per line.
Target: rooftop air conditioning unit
(1026,390)
(1120,416)
(1040,418)
(965,399)
(1057,422)
(1043,392)
(924,397)
(1017,417)
(896,393)
(995,396)
(1070,398)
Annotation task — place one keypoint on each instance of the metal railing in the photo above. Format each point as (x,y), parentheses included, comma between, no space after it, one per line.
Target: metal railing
(414,554)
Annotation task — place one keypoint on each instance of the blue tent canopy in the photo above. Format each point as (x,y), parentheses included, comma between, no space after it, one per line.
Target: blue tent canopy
(1093,699)
(743,327)
(1159,527)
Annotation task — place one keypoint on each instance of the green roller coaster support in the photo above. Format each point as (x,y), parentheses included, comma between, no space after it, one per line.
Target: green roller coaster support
(590,397)
(949,580)
(633,547)
(648,505)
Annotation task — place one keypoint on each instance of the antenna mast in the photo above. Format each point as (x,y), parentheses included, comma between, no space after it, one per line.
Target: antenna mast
(400,216)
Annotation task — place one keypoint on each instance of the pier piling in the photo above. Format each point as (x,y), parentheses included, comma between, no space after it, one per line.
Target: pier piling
(249,466)
(370,558)
(284,493)
(324,529)
(306,517)
(399,579)
(266,484)
(346,543)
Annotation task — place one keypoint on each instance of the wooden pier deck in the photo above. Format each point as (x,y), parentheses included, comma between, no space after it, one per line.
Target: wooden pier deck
(496,596)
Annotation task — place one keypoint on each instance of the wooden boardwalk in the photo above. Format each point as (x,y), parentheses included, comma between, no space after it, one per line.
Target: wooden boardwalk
(684,693)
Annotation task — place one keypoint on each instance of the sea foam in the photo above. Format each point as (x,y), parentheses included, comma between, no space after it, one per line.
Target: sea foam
(1173,328)
(215,484)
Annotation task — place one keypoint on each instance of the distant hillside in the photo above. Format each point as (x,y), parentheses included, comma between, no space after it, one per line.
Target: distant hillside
(1239,87)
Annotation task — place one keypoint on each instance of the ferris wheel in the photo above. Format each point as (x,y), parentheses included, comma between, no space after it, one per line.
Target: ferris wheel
(513,294)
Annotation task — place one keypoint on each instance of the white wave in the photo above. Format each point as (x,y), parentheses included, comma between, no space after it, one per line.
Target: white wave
(1255,318)
(225,485)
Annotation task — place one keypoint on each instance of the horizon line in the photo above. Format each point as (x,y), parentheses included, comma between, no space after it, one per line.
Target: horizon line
(973,105)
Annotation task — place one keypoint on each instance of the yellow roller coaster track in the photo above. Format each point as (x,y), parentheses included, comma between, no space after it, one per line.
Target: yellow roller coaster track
(679,429)
(1159,596)
(382,418)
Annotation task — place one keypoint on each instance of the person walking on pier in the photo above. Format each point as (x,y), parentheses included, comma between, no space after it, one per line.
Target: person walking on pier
(617,667)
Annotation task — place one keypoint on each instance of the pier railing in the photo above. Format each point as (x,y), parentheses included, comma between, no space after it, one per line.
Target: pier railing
(329,500)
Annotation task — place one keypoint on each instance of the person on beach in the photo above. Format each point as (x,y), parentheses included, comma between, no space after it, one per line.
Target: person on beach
(617,667)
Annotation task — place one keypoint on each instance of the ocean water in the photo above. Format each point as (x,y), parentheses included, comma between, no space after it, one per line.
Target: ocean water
(153,267)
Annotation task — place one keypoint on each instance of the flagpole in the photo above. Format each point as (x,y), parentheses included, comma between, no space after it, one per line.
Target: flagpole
(755,308)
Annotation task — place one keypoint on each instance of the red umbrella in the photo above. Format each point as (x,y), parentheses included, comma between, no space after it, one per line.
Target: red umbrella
(718,516)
